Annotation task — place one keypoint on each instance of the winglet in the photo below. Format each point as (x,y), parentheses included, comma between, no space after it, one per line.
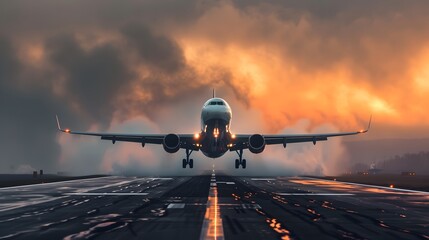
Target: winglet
(59,126)
(58,122)
(213,93)
(369,126)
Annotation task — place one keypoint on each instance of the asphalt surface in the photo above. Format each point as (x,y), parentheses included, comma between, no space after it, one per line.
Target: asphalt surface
(211,206)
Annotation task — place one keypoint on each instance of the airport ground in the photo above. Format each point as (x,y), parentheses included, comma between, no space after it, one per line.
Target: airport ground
(211,206)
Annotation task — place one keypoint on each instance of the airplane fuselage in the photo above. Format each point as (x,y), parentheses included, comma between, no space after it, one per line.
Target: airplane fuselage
(215,128)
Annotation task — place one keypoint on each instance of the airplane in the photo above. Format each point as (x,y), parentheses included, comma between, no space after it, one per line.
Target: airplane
(215,137)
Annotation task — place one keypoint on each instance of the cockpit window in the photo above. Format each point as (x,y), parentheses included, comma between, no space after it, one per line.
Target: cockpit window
(216,103)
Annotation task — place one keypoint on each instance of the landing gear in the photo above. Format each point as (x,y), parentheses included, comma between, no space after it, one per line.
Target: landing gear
(240,161)
(187,160)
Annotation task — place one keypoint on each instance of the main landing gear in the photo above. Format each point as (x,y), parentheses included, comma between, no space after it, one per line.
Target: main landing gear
(240,161)
(187,160)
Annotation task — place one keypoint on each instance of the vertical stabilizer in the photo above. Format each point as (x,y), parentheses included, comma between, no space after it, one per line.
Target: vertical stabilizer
(213,93)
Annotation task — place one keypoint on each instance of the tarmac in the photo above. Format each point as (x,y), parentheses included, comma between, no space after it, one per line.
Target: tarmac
(211,206)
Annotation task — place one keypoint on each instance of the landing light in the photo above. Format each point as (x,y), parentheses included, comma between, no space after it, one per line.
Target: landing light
(67,130)
(232,136)
(196,135)
(391,186)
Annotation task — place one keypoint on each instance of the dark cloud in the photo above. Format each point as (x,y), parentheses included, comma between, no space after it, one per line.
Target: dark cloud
(159,52)
(94,78)
(27,125)
(23,17)
(9,64)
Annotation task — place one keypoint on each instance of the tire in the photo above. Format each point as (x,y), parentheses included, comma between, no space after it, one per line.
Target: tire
(191,163)
(237,163)
(243,163)
(184,163)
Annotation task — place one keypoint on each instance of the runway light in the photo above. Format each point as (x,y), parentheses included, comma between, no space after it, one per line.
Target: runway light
(233,136)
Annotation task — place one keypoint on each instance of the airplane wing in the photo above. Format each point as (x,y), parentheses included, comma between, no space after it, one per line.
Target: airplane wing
(242,140)
(186,140)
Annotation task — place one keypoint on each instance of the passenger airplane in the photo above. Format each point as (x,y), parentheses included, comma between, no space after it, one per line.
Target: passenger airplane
(215,138)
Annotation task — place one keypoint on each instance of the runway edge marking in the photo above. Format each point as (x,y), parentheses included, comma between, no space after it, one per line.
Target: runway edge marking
(373,186)
(64,194)
(315,194)
(105,194)
(54,183)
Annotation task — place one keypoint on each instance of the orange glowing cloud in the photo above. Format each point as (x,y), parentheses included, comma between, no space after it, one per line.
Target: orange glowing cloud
(335,78)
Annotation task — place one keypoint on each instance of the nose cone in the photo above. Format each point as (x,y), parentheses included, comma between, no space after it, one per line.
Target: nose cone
(216,113)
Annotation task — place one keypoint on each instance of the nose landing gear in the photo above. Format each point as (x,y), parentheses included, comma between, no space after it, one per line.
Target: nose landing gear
(240,161)
(187,161)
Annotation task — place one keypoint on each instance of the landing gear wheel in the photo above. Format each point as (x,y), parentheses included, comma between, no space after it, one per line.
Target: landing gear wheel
(240,160)
(186,160)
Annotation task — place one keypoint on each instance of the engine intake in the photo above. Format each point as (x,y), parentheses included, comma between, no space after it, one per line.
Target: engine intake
(171,143)
(256,143)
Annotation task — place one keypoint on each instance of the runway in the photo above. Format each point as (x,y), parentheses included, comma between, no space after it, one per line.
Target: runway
(211,206)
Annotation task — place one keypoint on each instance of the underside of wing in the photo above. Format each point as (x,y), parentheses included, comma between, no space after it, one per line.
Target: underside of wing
(257,141)
(170,141)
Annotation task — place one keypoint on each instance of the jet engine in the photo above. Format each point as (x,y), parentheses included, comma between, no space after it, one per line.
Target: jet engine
(256,143)
(171,143)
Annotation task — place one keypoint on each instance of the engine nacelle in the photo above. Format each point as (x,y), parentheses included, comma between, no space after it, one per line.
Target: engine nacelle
(256,143)
(171,143)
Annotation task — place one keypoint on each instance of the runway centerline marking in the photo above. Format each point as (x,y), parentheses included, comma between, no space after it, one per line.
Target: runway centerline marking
(212,227)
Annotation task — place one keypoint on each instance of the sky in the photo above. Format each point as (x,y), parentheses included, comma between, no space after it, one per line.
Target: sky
(148,66)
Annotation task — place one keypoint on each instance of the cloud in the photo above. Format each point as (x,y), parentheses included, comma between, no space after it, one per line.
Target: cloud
(157,51)
(102,64)
(26,136)
(93,78)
